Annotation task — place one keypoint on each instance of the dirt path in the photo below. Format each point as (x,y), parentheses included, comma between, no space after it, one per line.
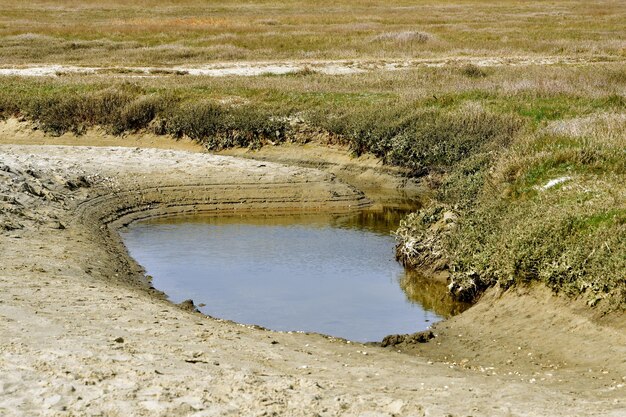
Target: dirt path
(82,333)
(338,67)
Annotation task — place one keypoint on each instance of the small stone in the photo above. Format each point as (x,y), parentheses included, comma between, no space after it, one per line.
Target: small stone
(188,305)
(119,340)
(396,339)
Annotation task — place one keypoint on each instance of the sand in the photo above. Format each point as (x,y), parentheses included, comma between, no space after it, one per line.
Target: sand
(329,67)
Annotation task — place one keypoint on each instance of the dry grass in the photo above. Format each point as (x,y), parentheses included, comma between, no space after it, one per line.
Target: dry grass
(403,38)
(192,31)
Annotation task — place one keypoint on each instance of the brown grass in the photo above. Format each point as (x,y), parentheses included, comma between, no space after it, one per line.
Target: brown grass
(133,33)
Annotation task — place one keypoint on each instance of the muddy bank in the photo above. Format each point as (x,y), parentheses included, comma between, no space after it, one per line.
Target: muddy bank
(381,183)
(82,334)
(366,172)
(16,132)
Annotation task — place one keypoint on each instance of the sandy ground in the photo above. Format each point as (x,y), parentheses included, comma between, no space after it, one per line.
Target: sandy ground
(83,333)
(338,67)
(14,132)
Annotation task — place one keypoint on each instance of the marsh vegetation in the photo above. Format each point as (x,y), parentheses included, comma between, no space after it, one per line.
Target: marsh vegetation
(153,32)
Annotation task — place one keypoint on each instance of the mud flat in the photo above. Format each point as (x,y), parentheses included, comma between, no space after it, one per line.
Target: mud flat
(83,333)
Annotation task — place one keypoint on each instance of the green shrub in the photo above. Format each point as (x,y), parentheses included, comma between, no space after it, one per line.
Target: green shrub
(8,106)
(73,112)
(105,106)
(197,120)
(424,139)
(137,114)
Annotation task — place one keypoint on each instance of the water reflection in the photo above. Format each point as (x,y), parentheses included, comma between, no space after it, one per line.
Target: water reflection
(431,294)
(382,220)
(312,272)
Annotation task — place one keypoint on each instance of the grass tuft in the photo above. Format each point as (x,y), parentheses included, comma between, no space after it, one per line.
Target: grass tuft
(473,71)
(403,38)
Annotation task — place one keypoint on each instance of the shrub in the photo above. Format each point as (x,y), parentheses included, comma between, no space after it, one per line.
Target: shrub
(423,139)
(473,71)
(59,114)
(104,106)
(73,112)
(8,106)
(137,114)
(197,120)
(221,127)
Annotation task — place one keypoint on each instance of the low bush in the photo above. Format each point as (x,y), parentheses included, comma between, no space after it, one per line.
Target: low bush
(473,71)
(220,127)
(423,139)
(75,112)
(59,114)
(138,114)
(128,109)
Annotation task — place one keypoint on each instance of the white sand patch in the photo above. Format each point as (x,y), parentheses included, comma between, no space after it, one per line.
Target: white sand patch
(554,182)
(253,69)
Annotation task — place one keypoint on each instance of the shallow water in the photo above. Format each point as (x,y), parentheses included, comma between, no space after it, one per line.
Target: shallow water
(316,273)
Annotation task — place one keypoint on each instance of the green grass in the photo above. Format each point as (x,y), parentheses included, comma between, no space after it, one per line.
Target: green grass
(571,236)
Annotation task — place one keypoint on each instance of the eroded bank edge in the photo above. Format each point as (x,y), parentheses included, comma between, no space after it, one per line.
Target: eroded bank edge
(105,214)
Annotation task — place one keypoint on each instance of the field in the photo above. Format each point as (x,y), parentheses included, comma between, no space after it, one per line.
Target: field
(512,114)
(171,33)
